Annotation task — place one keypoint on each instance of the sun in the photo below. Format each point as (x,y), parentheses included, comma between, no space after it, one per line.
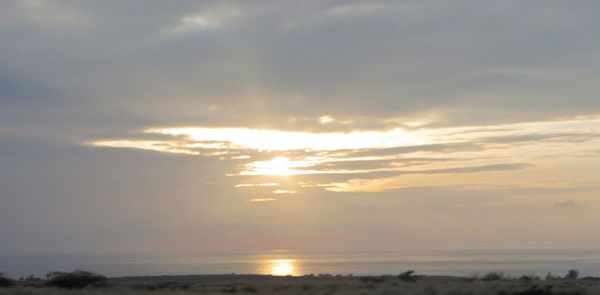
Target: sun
(276,166)
(282,267)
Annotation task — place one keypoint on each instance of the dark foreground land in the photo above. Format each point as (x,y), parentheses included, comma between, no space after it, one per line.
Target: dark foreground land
(261,284)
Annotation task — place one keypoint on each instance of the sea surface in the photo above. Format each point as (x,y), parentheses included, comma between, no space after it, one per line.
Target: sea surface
(431,262)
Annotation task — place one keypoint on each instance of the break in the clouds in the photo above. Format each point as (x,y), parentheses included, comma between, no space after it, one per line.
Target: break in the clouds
(241,121)
(385,153)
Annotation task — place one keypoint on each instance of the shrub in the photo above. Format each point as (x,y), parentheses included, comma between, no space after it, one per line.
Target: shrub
(53,274)
(306,287)
(162,286)
(31,281)
(5,281)
(529,278)
(173,285)
(550,277)
(250,289)
(373,280)
(539,290)
(493,276)
(229,289)
(572,274)
(75,280)
(408,276)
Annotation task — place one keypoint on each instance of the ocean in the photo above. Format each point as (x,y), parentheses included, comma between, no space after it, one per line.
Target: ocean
(514,262)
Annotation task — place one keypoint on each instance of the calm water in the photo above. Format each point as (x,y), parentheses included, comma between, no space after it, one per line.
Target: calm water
(447,262)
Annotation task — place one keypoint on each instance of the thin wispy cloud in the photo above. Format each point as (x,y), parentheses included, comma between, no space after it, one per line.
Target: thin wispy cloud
(207,20)
(375,157)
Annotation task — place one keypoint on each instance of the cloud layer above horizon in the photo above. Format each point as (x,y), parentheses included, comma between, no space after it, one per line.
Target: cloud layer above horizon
(287,122)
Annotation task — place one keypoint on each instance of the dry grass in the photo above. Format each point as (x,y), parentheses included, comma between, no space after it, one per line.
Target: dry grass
(323,286)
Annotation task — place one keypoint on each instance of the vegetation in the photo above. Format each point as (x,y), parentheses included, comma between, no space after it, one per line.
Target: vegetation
(405,283)
(493,276)
(75,280)
(529,278)
(572,275)
(408,276)
(5,281)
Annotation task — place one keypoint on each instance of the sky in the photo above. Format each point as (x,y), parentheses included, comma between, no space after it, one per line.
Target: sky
(228,126)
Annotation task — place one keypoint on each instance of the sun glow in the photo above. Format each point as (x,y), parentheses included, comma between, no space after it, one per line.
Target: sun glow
(276,166)
(275,140)
(282,267)
(421,151)
(204,140)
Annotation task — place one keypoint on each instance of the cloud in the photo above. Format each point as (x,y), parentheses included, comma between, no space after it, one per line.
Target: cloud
(384,142)
(207,20)
(158,146)
(261,200)
(486,181)
(436,147)
(256,184)
(375,153)
(431,104)
(386,63)
(569,204)
(475,169)
(283,191)
(552,137)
